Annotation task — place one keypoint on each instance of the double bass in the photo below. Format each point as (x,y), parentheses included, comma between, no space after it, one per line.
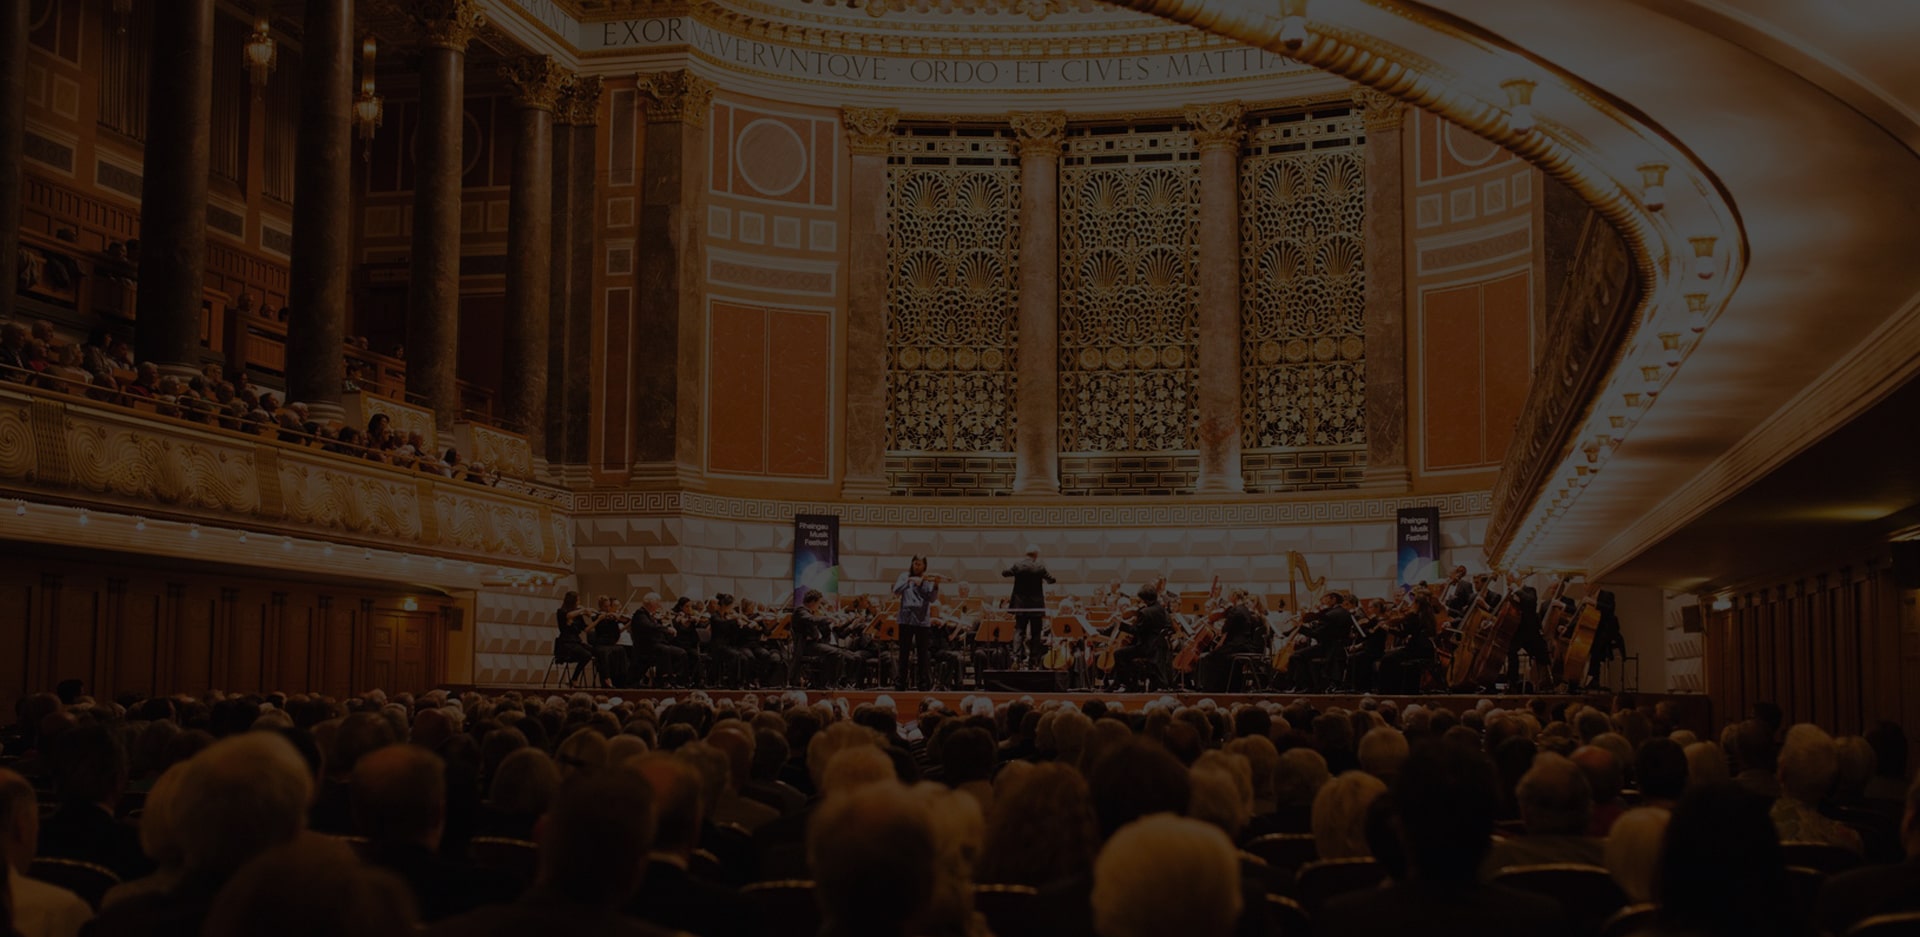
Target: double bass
(1463,668)
(1506,622)
(1580,643)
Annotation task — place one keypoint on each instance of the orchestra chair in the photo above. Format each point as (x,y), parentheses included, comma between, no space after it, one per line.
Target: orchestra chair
(131,804)
(1255,869)
(1825,858)
(1906,924)
(1587,892)
(579,671)
(85,879)
(1288,915)
(1010,910)
(1285,852)
(360,845)
(786,906)
(1804,883)
(1322,880)
(515,857)
(1630,920)
(1256,668)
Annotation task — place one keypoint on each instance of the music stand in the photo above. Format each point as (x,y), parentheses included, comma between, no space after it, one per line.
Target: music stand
(996,627)
(1069,627)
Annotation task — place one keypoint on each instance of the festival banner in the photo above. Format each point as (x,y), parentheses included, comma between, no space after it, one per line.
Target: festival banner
(1418,539)
(816,555)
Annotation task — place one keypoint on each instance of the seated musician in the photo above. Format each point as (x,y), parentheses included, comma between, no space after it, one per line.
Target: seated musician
(655,644)
(855,635)
(770,657)
(953,625)
(1528,637)
(608,628)
(811,630)
(1329,630)
(732,643)
(1242,632)
(1145,644)
(1400,668)
(572,620)
(1363,656)
(687,617)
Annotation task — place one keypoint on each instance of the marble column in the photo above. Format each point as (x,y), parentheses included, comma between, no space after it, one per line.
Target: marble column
(1218,132)
(536,82)
(14,27)
(322,210)
(668,352)
(570,299)
(869,136)
(1037,400)
(433,285)
(1386,293)
(173,211)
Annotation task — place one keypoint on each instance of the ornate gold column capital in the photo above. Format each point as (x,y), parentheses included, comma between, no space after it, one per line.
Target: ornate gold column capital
(537,81)
(447,24)
(676,96)
(1217,126)
(1039,133)
(579,104)
(1378,109)
(869,129)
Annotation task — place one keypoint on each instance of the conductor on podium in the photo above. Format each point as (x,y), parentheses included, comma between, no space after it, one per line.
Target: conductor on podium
(1029,600)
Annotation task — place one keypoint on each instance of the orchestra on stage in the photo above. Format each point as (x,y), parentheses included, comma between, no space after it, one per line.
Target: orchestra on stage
(1484,633)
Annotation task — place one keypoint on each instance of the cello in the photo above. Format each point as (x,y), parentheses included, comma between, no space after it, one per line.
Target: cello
(1580,643)
(1463,668)
(1506,621)
(1205,636)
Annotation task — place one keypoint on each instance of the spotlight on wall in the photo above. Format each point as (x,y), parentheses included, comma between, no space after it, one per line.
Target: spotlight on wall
(83,517)
(20,509)
(1722,602)
(1670,348)
(368,108)
(1703,264)
(1653,181)
(1697,312)
(409,604)
(1293,24)
(140,524)
(259,53)
(243,536)
(1519,104)
(193,530)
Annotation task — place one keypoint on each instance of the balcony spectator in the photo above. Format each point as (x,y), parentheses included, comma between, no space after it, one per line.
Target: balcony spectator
(13,350)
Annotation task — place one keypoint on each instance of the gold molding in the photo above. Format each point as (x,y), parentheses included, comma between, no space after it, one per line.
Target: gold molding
(580,101)
(676,96)
(447,24)
(1378,109)
(869,129)
(537,81)
(1039,133)
(1217,126)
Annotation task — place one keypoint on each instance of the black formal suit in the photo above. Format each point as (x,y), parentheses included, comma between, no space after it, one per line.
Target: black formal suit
(1148,632)
(1030,581)
(441,887)
(653,644)
(90,834)
(1330,634)
(544,914)
(1851,897)
(176,913)
(676,899)
(1241,632)
(1441,910)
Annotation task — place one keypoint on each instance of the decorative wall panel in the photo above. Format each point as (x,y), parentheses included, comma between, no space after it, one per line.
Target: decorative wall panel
(953,238)
(1302,213)
(1129,292)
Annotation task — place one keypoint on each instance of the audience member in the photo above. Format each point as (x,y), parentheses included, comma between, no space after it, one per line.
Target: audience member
(400,806)
(670,895)
(874,855)
(89,773)
(311,887)
(1721,870)
(1633,851)
(1806,767)
(1852,897)
(1166,875)
(1340,815)
(37,908)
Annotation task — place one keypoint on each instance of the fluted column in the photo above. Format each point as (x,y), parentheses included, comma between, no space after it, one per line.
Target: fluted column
(14,26)
(173,212)
(1217,131)
(322,213)
(570,296)
(433,286)
(869,135)
(1036,437)
(668,355)
(1386,293)
(536,82)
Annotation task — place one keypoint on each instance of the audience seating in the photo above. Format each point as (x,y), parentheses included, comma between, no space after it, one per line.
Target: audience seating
(1009,909)
(1587,892)
(1888,925)
(1285,851)
(1805,883)
(85,879)
(1825,858)
(515,857)
(1630,920)
(787,907)
(1319,881)
(1288,916)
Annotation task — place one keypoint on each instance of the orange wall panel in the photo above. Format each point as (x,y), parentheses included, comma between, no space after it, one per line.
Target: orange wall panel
(1508,322)
(1451,363)
(798,420)
(737,370)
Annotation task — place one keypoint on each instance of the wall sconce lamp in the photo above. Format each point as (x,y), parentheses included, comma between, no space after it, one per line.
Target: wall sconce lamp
(260,52)
(368,108)
(1697,312)
(1519,104)
(1293,24)
(1653,181)
(1703,265)
(1670,348)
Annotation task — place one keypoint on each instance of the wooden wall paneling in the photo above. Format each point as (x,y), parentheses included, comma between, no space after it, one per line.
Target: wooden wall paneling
(411,645)
(135,626)
(1846,644)
(375,665)
(1714,656)
(339,617)
(1751,658)
(16,625)
(1819,625)
(274,636)
(76,618)
(194,661)
(1799,649)
(1779,650)
(1909,664)
(1884,638)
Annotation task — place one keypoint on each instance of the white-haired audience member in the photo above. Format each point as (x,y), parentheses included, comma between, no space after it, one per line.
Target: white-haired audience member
(311,886)
(1851,897)
(39,909)
(1382,752)
(1807,766)
(1633,851)
(959,830)
(1556,808)
(1166,875)
(1340,815)
(874,856)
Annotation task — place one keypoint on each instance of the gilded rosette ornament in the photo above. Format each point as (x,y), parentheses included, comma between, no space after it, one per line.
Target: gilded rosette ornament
(537,81)
(676,96)
(1378,109)
(869,129)
(1040,133)
(579,102)
(447,24)
(1217,126)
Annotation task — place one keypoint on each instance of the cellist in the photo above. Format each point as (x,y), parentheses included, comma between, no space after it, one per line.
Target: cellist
(1145,633)
(1241,633)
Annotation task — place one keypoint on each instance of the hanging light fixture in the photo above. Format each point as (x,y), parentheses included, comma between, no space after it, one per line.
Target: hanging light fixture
(260,52)
(1293,24)
(368,108)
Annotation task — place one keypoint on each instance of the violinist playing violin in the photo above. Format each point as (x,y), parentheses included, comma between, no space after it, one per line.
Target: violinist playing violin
(1242,632)
(1327,629)
(811,630)
(653,643)
(1363,656)
(1146,629)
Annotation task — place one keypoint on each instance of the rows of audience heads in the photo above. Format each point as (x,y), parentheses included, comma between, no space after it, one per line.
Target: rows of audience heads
(303,814)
